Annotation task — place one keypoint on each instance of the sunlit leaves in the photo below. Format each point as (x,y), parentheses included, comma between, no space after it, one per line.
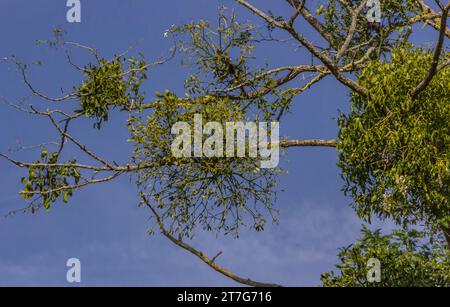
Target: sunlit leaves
(47,181)
(110,84)
(394,151)
(216,194)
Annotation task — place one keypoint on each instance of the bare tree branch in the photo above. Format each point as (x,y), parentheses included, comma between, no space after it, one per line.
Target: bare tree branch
(310,47)
(308,143)
(311,19)
(355,15)
(430,17)
(200,255)
(437,54)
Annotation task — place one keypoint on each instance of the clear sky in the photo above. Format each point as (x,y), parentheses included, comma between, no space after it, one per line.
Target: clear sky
(102,225)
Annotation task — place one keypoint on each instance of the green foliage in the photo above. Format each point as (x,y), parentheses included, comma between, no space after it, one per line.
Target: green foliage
(337,21)
(221,60)
(405,261)
(110,84)
(394,151)
(218,54)
(218,194)
(51,182)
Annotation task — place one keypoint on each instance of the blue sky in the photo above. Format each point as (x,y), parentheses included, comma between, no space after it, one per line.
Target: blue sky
(102,225)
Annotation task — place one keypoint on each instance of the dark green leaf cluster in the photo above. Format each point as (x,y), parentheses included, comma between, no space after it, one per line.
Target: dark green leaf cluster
(405,261)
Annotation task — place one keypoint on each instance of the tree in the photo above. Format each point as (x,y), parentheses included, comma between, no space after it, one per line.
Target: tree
(393,145)
(416,264)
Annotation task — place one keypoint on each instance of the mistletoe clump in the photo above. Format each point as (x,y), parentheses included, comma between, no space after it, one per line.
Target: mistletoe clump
(110,84)
(44,184)
(215,193)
